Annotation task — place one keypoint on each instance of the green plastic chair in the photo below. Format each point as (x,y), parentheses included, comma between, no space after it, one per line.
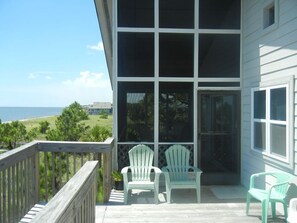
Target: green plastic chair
(177,171)
(276,193)
(141,160)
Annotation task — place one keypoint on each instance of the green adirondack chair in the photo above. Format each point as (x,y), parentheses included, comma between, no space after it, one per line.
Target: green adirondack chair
(141,161)
(276,193)
(177,171)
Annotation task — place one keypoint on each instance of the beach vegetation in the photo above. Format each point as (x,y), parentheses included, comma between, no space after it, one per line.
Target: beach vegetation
(117,175)
(43,126)
(96,134)
(91,122)
(31,134)
(74,124)
(14,134)
(68,125)
(103,114)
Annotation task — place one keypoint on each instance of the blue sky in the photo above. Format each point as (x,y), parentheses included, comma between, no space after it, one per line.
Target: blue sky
(51,54)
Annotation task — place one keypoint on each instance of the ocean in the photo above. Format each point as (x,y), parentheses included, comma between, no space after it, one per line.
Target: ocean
(20,113)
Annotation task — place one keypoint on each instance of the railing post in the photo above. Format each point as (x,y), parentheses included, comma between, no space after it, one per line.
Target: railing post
(107,175)
(36,178)
(20,173)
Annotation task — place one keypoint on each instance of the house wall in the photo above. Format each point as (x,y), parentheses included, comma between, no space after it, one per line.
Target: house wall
(269,57)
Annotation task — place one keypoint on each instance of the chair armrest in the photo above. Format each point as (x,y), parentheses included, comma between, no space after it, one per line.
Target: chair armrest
(157,170)
(124,171)
(197,172)
(262,174)
(195,169)
(157,173)
(165,171)
(277,185)
(252,179)
(255,175)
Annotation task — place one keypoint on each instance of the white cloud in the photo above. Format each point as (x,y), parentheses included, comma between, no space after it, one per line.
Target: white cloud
(32,76)
(98,47)
(43,74)
(88,79)
(86,88)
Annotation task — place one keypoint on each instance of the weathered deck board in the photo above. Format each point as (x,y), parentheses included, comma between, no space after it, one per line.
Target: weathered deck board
(32,213)
(141,208)
(177,213)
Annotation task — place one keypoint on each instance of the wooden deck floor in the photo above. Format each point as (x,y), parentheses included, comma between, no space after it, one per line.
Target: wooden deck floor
(219,204)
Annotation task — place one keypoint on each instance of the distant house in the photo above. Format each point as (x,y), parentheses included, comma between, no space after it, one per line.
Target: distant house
(216,76)
(97,107)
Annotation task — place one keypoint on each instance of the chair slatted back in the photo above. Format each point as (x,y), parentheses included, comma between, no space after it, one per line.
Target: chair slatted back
(177,157)
(141,161)
(282,178)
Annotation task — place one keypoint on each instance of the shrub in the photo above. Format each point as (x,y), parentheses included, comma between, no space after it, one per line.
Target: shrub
(43,126)
(97,134)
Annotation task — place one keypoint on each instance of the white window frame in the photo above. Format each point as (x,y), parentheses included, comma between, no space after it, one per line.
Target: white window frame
(268,150)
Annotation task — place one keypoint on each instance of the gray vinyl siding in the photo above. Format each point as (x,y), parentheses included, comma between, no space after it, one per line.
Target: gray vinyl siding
(267,56)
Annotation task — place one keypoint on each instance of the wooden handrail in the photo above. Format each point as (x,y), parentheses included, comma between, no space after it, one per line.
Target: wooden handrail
(77,147)
(19,171)
(76,201)
(16,155)
(50,163)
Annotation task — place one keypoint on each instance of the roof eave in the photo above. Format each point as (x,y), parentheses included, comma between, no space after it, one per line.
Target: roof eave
(104,15)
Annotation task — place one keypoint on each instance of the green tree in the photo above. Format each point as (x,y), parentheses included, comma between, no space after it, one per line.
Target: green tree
(68,124)
(43,126)
(14,133)
(68,128)
(31,135)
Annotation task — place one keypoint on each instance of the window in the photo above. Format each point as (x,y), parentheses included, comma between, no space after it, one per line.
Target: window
(221,50)
(218,14)
(176,55)
(270,121)
(259,120)
(176,14)
(135,112)
(176,112)
(270,13)
(135,54)
(135,13)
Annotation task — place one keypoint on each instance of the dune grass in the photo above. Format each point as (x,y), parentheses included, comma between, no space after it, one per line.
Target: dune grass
(34,122)
(92,121)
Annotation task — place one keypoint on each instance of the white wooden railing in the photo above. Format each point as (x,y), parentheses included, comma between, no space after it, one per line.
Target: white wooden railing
(76,201)
(35,172)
